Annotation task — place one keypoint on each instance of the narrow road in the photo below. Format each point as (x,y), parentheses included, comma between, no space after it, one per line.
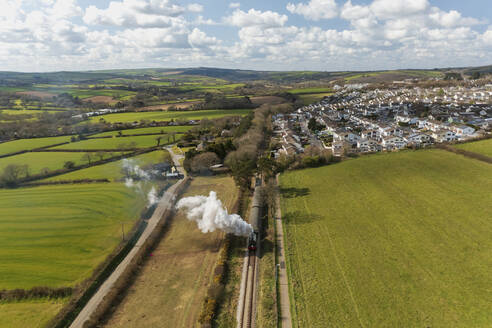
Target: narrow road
(166,202)
(283,284)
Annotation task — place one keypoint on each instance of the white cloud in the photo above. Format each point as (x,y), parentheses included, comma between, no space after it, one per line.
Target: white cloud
(398,8)
(195,8)
(315,9)
(256,18)
(199,39)
(234,5)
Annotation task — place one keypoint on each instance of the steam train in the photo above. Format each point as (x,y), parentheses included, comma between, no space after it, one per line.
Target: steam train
(254,216)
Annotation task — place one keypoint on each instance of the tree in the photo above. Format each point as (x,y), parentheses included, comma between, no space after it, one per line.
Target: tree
(243,165)
(267,166)
(475,75)
(158,139)
(120,134)
(69,165)
(12,174)
(202,162)
(101,155)
(87,157)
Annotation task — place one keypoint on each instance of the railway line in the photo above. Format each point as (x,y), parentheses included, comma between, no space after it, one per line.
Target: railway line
(246,313)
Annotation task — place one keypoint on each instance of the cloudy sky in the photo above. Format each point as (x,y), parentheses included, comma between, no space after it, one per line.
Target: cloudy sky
(328,35)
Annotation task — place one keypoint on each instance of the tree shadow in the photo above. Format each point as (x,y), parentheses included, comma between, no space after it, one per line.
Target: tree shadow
(298,217)
(294,192)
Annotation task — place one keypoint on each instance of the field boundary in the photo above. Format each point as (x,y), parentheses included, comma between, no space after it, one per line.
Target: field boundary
(466,153)
(129,270)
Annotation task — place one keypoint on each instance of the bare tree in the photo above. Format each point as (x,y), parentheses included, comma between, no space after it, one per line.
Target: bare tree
(87,157)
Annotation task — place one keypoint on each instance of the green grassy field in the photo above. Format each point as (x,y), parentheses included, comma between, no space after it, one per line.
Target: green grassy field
(28,144)
(309,90)
(117,143)
(483,147)
(38,161)
(312,98)
(156,129)
(32,313)
(390,240)
(56,235)
(167,116)
(112,171)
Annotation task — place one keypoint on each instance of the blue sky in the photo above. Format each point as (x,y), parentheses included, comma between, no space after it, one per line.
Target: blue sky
(327,35)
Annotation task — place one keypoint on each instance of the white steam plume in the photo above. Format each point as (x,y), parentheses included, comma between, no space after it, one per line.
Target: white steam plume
(133,169)
(152,197)
(210,215)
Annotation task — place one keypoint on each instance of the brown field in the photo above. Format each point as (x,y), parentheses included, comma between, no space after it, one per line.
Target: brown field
(274,100)
(171,286)
(101,99)
(39,94)
(181,105)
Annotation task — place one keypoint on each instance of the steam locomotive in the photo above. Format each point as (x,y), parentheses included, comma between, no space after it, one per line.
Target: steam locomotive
(254,216)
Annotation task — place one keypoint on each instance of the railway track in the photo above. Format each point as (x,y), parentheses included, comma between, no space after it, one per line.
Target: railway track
(248,297)
(246,311)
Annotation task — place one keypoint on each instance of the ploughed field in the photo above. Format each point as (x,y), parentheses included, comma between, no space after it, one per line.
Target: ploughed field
(390,240)
(483,147)
(170,288)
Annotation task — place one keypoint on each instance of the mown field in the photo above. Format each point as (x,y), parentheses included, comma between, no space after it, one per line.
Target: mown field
(168,116)
(38,161)
(483,147)
(28,144)
(118,143)
(32,313)
(56,235)
(113,170)
(156,129)
(171,287)
(390,240)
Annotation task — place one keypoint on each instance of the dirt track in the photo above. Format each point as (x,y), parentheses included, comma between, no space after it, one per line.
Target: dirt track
(166,202)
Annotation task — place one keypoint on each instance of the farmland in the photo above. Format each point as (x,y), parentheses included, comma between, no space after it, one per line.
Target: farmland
(156,129)
(172,283)
(168,116)
(483,147)
(41,160)
(112,171)
(117,143)
(56,235)
(391,240)
(28,144)
(33,314)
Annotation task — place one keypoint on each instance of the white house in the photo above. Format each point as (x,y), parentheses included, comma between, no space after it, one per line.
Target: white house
(367,145)
(393,142)
(418,138)
(443,135)
(463,130)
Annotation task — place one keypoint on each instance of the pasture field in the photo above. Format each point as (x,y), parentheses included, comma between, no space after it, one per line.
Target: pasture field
(301,91)
(112,170)
(156,129)
(313,97)
(56,235)
(168,116)
(31,313)
(117,143)
(390,240)
(483,147)
(28,144)
(40,160)
(171,286)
